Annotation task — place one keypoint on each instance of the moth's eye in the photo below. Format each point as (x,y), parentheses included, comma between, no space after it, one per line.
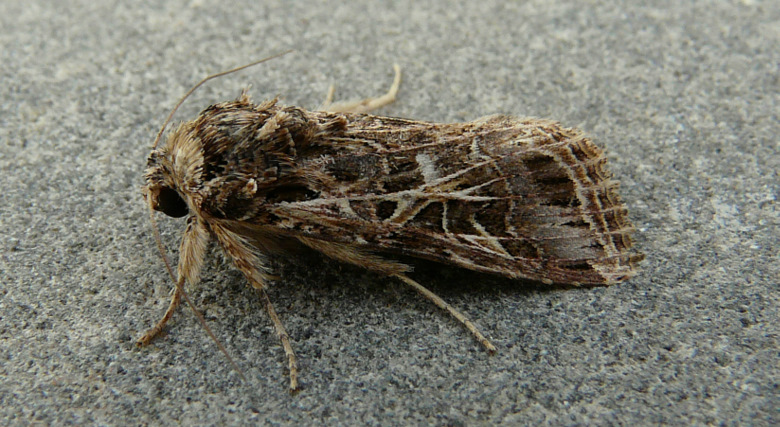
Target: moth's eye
(170,203)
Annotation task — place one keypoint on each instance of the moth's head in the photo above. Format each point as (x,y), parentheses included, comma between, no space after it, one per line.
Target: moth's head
(160,192)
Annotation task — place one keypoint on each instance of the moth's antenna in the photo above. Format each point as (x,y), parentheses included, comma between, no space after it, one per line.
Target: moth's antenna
(179,291)
(200,83)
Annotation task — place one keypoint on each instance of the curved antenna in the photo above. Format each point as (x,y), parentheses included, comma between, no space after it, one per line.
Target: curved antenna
(200,83)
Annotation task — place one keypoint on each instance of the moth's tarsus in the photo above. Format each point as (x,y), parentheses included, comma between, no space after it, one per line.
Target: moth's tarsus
(158,328)
(521,198)
(284,337)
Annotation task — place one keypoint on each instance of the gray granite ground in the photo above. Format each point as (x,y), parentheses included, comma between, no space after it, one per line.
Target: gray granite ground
(683,95)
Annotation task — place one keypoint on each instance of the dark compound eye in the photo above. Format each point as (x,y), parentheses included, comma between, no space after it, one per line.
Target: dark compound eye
(170,203)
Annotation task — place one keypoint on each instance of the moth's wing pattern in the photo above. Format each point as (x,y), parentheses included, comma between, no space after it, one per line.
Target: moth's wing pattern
(525,199)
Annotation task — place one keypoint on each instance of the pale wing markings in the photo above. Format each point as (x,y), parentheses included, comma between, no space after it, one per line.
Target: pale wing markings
(427,167)
(397,196)
(493,244)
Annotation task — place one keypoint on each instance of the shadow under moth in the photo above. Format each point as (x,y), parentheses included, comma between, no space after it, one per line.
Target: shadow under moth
(522,198)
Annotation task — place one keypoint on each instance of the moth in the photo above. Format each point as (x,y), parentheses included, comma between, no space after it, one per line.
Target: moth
(521,198)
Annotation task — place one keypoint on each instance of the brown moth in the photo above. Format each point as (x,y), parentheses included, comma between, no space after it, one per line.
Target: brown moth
(521,198)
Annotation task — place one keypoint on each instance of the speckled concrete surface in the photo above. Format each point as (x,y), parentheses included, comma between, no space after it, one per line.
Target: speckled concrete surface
(683,95)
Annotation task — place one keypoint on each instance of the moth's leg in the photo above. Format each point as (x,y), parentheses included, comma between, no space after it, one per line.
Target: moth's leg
(247,261)
(191,254)
(326,104)
(367,104)
(352,255)
(450,309)
(154,331)
(284,337)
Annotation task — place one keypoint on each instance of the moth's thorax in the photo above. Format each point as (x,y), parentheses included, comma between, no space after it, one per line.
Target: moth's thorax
(232,159)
